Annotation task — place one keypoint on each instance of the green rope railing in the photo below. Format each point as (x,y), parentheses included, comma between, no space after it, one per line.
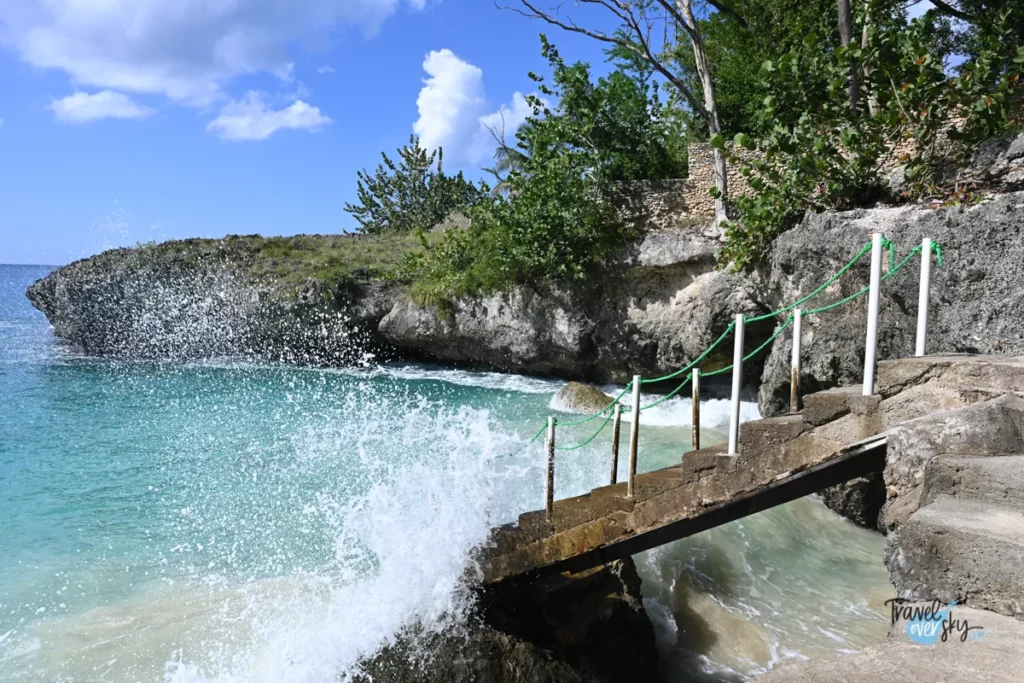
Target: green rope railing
(894,267)
(839,273)
(592,436)
(695,361)
(769,340)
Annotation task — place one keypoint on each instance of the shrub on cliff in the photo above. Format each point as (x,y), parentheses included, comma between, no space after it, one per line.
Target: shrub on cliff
(410,193)
(553,218)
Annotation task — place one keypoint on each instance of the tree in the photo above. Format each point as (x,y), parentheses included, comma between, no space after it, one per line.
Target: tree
(412,193)
(740,40)
(618,124)
(637,20)
(556,220)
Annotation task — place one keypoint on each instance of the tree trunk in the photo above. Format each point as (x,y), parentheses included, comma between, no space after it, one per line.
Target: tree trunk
(872,100)
(845,36)
(714,126)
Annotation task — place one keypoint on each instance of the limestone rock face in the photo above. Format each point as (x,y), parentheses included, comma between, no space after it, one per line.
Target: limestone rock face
(659,306)
(577,397)
(195,299)
(977,298)
(999,164)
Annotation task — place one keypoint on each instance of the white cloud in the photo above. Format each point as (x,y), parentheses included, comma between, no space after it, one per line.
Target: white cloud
(186,50)
(82,107)
(454,112)
(251,119)
(325,69)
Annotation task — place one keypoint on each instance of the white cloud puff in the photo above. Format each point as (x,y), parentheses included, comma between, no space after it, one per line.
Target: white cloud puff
(251,119)
(185,50)
(83,107)
(453,111)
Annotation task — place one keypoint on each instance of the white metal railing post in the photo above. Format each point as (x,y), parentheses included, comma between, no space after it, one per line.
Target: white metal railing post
(695,412)
(922,298)
(794,385)
(871,344)
(616,429)
(634,436)
(737,382)
(549,491)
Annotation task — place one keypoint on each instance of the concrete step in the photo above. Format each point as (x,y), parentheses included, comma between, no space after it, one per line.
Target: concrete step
(964,550)
(997,479)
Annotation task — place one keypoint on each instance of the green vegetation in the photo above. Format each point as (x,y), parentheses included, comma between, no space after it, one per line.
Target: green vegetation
(412,193)
(846,90)
(834,155)
(553,218)
(286,263)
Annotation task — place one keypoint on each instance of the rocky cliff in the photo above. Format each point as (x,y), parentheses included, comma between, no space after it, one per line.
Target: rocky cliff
(653,309)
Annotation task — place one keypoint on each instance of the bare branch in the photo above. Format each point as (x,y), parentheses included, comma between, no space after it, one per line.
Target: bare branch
(946,8)
(640,45)
(729,11)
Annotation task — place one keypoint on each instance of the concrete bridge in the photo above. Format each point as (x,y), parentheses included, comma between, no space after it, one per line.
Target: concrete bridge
(839,435)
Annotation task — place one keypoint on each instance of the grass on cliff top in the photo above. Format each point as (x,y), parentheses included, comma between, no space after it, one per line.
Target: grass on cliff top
(290,261)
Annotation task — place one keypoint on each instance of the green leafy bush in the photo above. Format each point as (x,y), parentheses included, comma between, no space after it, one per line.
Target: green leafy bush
(553,219)
(833,155)
(410,193)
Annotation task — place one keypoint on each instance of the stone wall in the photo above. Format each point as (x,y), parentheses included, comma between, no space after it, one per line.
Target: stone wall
(701,179)
(653,204)
(665,204)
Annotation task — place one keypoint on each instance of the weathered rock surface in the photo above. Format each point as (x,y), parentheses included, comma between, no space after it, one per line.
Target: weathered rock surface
(585,628)
(964,550)
(201,299)
(654,310)
(859,500)
(999,164)
(577,397)
(977,299)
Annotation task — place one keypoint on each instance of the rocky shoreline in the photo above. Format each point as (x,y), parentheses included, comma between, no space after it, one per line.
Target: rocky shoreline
(653,309)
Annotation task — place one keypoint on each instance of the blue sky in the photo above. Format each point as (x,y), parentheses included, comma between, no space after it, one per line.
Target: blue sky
(135,120)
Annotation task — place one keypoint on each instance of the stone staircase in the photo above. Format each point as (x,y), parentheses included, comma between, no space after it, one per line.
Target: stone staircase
(965,540)
(915,399)
(954,482)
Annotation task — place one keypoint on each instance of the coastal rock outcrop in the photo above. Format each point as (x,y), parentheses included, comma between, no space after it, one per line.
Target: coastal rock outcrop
(583,628)
(977,297)
(197,298)
(655,309)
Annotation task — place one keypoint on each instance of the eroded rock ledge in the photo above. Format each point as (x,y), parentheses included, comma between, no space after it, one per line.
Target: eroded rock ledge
(585,628)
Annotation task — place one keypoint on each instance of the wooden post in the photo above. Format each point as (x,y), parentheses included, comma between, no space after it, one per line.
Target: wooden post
(794,384)
(549,501)
(695,411)
(616,428)
(922,297)
(634,436)
(737,382)
(871,344)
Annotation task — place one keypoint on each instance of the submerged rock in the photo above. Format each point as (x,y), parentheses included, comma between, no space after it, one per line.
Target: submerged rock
(577,397)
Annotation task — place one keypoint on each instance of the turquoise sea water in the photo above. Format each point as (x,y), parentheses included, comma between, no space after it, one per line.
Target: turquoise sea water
(226,521)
